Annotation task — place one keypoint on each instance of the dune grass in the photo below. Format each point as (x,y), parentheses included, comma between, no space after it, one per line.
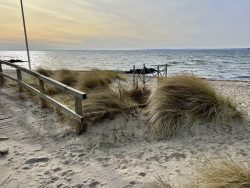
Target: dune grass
(223,174)
(106,103)
(97,79)
(45,72)
(139,94)
(183,100)
(215,174)
(159,183)
(103,100)
(67,77)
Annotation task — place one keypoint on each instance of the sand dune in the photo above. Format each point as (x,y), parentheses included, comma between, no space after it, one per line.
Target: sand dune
(115,153)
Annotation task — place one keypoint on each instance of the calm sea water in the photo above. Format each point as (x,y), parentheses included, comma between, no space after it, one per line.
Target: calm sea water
(225,64)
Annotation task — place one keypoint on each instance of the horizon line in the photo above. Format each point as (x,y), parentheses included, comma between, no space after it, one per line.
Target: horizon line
(136,49)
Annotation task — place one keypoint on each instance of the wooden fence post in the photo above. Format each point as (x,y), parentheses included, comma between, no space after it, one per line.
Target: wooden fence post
(19,77)
(166,71)
(144,76)
(158,71)
(78,106)
(81,126)
(1,77)
(42,89)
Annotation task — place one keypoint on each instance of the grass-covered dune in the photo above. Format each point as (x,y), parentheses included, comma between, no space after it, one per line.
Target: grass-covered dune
(183,100)
(108,92)
(214,174)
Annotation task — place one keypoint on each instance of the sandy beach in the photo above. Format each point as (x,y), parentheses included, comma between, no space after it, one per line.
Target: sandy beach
(116,153)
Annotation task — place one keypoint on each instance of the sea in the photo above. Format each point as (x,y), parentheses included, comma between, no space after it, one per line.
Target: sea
(217,64)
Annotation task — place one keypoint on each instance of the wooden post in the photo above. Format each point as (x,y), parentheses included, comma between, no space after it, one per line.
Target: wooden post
(78,106)
(144,78)
(1,76)
(133,76)
(158,71)
(166,71)
(42,89)
(19,77)
(81,126)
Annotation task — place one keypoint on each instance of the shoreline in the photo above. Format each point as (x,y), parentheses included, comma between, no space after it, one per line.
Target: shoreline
(12,71)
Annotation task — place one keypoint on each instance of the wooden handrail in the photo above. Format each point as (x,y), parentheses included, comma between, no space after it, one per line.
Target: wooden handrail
(78,95)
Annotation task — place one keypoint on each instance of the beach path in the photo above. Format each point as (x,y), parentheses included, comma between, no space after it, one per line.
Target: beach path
(30,137)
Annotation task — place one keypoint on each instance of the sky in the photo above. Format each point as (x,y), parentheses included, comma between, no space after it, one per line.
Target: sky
(125,24)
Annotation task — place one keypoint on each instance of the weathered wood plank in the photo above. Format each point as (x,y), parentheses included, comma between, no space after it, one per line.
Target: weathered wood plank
(78,106)
(63,87)
(9,77)
(59,85)
(19,77)
(42,89)
(50,100)
(54,103)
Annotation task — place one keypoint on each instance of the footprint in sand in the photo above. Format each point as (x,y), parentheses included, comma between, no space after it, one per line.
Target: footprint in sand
(37,160)
(175,155)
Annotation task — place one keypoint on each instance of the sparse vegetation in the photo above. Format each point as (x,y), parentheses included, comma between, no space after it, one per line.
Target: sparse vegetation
(45,72)
(159,183)
(97,79)
(106,103)
(68,77)
(183,100)
(224,174)
(102,101)
(139,94)
(214,174)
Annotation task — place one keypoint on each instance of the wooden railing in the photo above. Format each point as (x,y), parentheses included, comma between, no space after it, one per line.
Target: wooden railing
(78,95)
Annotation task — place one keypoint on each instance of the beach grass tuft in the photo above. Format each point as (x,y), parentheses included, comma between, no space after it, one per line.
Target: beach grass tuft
(67,77)
(97,79)
(106,103)
(45,72)
(183,100)
(159,183)
(226,173)
(139,94)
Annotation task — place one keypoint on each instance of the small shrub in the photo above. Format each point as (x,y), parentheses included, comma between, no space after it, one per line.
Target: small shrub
(68,77)
(97,79)
(45,72)
(139,94)
(183,100)
(106,103)
(224,174)
(51,90)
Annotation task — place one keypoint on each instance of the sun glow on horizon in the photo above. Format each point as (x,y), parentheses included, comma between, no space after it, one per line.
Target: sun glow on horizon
(85,24)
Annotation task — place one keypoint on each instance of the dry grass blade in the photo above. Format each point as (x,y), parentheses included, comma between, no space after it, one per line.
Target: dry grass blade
(97,79)
(185,99)
(45,72)
(139,94)
(225,174)
(68,77)
(106,102)
(159,183)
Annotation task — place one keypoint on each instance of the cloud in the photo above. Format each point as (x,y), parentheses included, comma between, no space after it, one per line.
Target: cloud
(123,24)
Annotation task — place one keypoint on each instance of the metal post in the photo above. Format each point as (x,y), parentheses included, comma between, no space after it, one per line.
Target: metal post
(144,78)
(133,76)
(25,33)
(1,76)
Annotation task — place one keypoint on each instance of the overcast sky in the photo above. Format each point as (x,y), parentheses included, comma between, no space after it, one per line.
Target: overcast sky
(125,24)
